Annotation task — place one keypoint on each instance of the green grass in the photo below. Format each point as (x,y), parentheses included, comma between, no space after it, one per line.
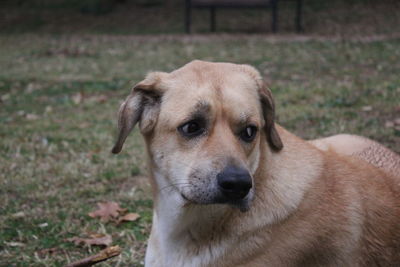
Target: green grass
(55,160)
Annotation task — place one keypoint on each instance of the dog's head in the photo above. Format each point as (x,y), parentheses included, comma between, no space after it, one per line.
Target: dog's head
(204,125)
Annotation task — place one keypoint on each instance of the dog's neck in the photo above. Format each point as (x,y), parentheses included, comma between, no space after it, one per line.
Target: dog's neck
(180,217)
(183,231)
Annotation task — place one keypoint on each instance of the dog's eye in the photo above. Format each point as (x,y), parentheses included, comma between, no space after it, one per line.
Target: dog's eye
(249,133)
(191,129)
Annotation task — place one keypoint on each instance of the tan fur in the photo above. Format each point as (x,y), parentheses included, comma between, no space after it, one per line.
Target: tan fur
(362,148)
(317,203)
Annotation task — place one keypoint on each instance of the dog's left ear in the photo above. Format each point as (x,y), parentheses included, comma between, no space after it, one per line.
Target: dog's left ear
(268,106)
(142,105)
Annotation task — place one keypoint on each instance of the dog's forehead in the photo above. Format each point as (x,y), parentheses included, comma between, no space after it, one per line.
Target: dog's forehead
(230,87)
(201,73)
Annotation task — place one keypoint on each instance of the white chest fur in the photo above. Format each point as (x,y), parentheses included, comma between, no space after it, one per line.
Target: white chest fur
(178,228)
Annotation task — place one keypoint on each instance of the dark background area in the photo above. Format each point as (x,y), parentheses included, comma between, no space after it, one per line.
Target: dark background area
(336,17)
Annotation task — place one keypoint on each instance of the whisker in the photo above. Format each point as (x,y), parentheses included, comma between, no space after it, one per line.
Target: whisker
(173,185)
(189,166)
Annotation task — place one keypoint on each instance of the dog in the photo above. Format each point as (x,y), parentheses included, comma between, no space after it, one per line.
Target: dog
(231,187)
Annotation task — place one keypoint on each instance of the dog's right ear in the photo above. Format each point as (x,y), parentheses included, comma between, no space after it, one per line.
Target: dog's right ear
(142,105)
(268,107)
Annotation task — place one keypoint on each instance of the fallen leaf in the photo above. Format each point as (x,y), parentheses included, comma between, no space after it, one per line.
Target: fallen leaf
(30,88)
(94,240)
(389,124)
(101,98)
(48,109)
(5,97)
(43,225)
(130,217)
(45,141)
(97,99)
(18,215)
(47,251)
(77,98)
(32,117)
(107,210)
(83,125)
(15,244)
(12,167)
(366,108)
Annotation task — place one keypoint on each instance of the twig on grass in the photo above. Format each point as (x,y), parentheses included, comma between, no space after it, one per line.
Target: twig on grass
(103,255)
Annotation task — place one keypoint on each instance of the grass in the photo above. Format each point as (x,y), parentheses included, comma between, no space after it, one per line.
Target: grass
(59,95)
(58,124)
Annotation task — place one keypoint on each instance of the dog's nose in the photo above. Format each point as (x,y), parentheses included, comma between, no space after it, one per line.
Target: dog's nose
(234,183)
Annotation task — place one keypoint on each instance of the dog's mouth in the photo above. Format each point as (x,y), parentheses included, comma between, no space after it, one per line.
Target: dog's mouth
(242,204)
(184,197)
(187,201)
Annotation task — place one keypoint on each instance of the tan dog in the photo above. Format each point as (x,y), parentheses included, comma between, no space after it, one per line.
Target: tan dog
(232,188)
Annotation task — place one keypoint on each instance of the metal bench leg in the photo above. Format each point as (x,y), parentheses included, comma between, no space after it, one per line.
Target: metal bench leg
(274,16)
(299,27)
(212,19)
(188,16)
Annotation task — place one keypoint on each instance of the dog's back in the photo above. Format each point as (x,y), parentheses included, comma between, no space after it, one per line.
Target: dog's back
(362,148)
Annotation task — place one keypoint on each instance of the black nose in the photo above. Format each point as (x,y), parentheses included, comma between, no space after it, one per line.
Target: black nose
(234,183)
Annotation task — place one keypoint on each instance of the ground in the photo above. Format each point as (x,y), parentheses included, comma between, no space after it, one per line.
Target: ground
(60,94)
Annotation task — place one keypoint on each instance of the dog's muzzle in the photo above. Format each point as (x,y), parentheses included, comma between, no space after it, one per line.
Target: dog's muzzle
(234,183)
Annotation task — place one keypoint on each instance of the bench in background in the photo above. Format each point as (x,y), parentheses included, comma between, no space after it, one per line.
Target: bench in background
(214,4)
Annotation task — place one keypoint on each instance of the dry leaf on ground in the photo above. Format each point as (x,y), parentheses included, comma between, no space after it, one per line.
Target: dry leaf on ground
(389,124)
(18,215)
(97,99)
(5,97)
(366,108)
(15,244)
(107,210)
(94,240)
(77,98)
(129,217)
(32,117)
(47,252)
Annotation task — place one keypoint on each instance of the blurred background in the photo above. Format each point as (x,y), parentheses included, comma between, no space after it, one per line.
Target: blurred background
(144,17)
(65,66)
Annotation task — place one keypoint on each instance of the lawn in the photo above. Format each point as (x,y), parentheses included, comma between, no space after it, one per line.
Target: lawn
(59,95)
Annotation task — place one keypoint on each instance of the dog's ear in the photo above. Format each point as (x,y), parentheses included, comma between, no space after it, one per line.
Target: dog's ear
(142,105)
(268,107)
